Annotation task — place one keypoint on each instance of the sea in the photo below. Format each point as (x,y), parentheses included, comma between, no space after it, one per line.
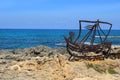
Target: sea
(27,38)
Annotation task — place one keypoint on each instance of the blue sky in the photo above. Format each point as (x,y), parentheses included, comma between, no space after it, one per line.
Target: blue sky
(56,14)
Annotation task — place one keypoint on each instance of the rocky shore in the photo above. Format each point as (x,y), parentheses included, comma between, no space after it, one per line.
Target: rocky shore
(45,63)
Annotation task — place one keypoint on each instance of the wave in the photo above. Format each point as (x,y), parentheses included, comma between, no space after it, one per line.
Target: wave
(108,36)
(64,44)
(61,44)
(90,43)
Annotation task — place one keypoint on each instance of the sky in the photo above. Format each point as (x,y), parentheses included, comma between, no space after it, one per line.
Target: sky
(56,14)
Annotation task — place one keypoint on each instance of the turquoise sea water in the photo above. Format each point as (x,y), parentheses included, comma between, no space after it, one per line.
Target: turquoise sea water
(25,38)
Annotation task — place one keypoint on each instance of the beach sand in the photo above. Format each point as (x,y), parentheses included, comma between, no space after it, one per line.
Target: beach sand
(44,63)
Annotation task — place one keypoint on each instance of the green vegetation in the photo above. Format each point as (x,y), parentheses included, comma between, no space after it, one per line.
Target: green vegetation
(89,65)
(98,69)
(112,71)
(95,68)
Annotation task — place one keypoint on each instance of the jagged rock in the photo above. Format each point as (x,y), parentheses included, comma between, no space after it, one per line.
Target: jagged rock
(28,51)
(115,49)
(3,61)
(15,67)
(38,51)
(18,51)
(5,52)
(44,63)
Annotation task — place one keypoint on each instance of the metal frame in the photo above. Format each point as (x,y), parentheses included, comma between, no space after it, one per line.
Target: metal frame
(81,47)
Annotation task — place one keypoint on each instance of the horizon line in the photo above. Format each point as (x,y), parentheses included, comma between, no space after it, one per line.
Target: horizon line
(47,29)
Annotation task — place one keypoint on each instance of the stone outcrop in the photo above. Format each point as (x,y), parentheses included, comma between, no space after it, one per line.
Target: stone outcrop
(44,63)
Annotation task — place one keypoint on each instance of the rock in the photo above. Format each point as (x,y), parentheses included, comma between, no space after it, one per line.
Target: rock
(15,67)
(28,51)
(44,63)
(38,51)
(3,61)
(115,49)
(18,51)
(41,60)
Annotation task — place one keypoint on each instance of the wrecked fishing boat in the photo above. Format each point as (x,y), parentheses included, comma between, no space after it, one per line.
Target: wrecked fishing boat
(78,47)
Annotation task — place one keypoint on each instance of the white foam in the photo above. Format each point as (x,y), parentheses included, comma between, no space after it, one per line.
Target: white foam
(60,44)
(108,36)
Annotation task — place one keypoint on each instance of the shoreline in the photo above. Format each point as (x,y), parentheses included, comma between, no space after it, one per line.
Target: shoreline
(63,46)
